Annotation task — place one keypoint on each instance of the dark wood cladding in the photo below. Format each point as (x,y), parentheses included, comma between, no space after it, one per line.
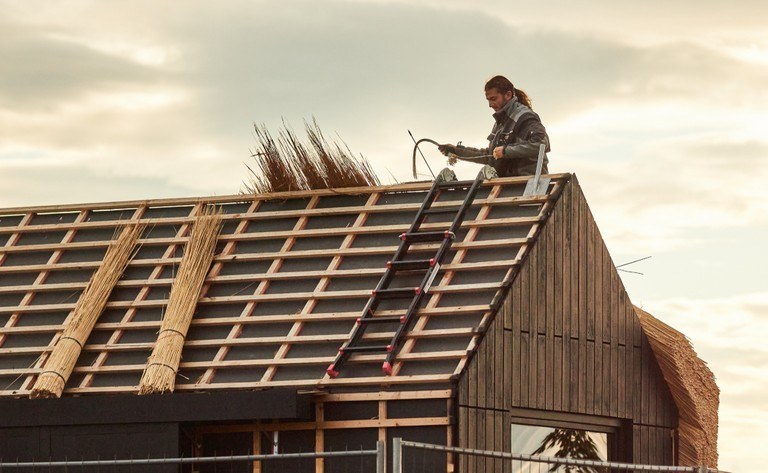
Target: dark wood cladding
(566,339)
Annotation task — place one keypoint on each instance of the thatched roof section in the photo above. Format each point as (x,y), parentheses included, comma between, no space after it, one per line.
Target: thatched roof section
(693,387)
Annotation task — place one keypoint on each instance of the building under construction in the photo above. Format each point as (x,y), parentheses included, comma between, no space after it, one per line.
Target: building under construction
(461,313)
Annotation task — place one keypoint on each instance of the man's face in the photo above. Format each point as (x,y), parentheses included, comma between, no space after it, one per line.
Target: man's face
(497,100)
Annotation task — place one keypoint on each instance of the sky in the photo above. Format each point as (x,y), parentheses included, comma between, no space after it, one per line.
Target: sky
(660,108)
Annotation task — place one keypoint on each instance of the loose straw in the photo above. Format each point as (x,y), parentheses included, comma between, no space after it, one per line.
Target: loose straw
(90,305)
(162,366)
(693,388)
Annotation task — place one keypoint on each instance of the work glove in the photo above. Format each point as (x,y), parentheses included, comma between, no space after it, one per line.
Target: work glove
(447,149)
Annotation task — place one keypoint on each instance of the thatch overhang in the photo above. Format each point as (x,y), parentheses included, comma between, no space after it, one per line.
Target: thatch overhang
(693,387)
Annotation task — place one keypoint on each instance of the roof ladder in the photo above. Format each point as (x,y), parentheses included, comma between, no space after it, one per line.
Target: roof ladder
(399,263)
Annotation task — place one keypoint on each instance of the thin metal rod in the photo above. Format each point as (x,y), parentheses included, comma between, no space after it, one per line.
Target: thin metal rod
(422,155)
(550,460)
(633,262)
(188,460)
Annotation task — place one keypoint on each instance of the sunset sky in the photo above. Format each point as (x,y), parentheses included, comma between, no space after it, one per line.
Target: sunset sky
(660,108)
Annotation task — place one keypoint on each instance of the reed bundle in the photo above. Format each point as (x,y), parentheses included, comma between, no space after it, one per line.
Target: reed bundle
(288,164)
(693,387)
(160,373)
(90,305)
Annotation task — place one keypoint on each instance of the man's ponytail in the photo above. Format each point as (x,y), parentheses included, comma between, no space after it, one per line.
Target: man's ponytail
(504,85)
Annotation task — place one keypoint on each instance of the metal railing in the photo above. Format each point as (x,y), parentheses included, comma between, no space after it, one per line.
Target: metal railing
(379,453)
(522,462)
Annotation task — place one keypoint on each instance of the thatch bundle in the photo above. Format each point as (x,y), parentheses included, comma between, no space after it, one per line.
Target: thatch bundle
(693,387)
(288,164)
(59,366)
(162,366)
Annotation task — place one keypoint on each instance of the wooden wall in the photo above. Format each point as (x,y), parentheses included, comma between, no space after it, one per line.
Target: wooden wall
(566,339)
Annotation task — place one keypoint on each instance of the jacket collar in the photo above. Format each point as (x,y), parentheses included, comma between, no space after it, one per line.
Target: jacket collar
(506,111)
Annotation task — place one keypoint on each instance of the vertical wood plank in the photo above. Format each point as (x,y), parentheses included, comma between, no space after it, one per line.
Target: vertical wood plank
(599,294)
(558,293)
(481,440)
(609,295)
(525,363)
(576,379)
(512,357)
(557,374)
(621,380)
(591,273)
(319,437)
(501,378)
(575,262)
(608,380)
(566,260)
(256,448)
(463,424)
(589,378)
(549,280)
(615,383)
(637,388)
(541,379)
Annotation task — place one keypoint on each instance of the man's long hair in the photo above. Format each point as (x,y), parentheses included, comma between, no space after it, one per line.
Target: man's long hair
(504,85)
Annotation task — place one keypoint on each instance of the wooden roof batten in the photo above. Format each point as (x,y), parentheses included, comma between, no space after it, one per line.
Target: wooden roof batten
(278,299)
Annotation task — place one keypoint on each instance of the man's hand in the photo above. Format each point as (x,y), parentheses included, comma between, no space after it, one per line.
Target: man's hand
(498,152)
(447,149)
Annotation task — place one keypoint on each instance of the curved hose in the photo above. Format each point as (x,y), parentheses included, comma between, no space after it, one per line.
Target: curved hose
(416,148)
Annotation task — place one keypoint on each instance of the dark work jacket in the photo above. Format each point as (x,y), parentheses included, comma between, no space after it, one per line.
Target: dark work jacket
(519,130)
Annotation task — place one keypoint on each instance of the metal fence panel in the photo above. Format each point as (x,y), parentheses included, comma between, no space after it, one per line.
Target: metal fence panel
(521,463)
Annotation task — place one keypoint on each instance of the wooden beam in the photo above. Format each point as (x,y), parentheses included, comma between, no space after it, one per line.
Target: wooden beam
(274,235)
(253,216)
(241,198)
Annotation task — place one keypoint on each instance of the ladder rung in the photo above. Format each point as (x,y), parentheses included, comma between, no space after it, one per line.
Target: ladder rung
(411,264)
(451,184)
(381,320)
(449,209)
(427,236)
(397,293)
(367,348)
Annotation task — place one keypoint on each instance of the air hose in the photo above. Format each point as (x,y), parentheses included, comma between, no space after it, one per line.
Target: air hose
(416,148)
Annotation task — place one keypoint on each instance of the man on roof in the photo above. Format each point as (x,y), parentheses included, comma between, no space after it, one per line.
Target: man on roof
(513,145)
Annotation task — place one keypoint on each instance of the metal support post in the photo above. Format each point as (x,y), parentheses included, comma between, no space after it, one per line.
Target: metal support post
(381,457)
(397,455)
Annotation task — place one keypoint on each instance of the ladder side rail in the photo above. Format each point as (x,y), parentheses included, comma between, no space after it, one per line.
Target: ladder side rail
(444,247)
(413,308)
(468,200)
(425,204)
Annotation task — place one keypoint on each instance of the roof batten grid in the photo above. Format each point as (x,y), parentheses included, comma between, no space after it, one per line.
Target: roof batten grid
(423,319)
(312,296)
(39,280)
(12,240)
(322,284)
(247,312)
(101,358)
